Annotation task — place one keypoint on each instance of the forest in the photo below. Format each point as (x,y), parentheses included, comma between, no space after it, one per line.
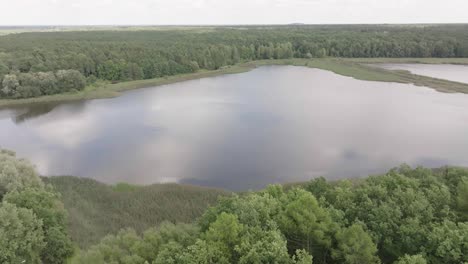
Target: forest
(45,63)
(408,215)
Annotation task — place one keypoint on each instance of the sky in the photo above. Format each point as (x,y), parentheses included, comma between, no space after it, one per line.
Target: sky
(214,12)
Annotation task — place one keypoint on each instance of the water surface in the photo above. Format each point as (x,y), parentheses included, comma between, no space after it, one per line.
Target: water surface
(271,125)
(456,73)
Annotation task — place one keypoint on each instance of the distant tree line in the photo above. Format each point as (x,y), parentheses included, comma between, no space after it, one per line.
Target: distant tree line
(133,55)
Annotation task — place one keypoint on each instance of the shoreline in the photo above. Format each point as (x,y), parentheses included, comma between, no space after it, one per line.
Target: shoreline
(351,67)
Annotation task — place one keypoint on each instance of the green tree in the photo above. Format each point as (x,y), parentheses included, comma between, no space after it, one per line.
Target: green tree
(447,243)
(194,67)
(46,205)
(203,252)
(3,70)
(395,209)
(70,80)
(46,81)
(225,233)
(414,259)
(132,71)
(170,253)
(462,198)
(21,238)
(260,246)
(355,246)
(305,224)
(28,91)
(154,239)
(10,85)
(109,70)
(302,257)
(119,248)
(17,174)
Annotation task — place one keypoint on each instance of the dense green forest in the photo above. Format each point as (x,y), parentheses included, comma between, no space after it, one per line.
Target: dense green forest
(405,216)
(45,63)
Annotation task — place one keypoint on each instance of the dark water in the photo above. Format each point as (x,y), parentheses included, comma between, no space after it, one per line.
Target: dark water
(270,125)
(456,73)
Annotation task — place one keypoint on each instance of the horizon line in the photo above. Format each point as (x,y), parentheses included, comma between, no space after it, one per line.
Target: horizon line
(227,25)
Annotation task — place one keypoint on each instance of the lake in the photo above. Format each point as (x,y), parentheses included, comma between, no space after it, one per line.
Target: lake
(274,124)
(456,73)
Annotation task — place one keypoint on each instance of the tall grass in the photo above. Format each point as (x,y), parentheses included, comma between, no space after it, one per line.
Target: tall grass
(96,209)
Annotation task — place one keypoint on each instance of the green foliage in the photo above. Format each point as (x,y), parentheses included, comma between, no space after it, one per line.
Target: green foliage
(224,234)
(161,245)
(204,253)
(16,174)
(47,207)
(155,239)
(305,224)
(3,70)
(21,237)
(125,187)
(408,215)
(35,229)
(254,210)
(120,248)
(401,211)
(10,85)
(260,246)
(462,198)
(447,242)
(405,216)
(170,253)
(245,230)
(302,257)
(225,230)
(33,84)
(133,55)
(355,246)
(415,259)
(68,80)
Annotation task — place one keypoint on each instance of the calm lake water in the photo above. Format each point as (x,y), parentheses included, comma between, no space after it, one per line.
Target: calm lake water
(457,73)
(271,125)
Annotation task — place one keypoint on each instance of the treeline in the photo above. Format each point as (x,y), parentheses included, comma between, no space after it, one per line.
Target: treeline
(24,85)
(133,55)
(407,216)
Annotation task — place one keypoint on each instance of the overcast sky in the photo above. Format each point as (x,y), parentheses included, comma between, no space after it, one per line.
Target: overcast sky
(182,12)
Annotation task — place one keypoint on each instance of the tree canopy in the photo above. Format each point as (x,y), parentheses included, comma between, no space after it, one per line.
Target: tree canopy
(408,215)
(405,216)
(34,64)
(33,227)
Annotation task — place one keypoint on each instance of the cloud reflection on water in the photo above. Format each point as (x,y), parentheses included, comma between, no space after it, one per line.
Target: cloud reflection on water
(274,124)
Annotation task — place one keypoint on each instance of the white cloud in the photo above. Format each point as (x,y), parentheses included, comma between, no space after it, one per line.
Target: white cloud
(67,132)
(69,12)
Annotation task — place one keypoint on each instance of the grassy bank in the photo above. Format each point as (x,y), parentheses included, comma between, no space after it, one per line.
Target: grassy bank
(355,68)
(96,209)
(359,70)
(459,61)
